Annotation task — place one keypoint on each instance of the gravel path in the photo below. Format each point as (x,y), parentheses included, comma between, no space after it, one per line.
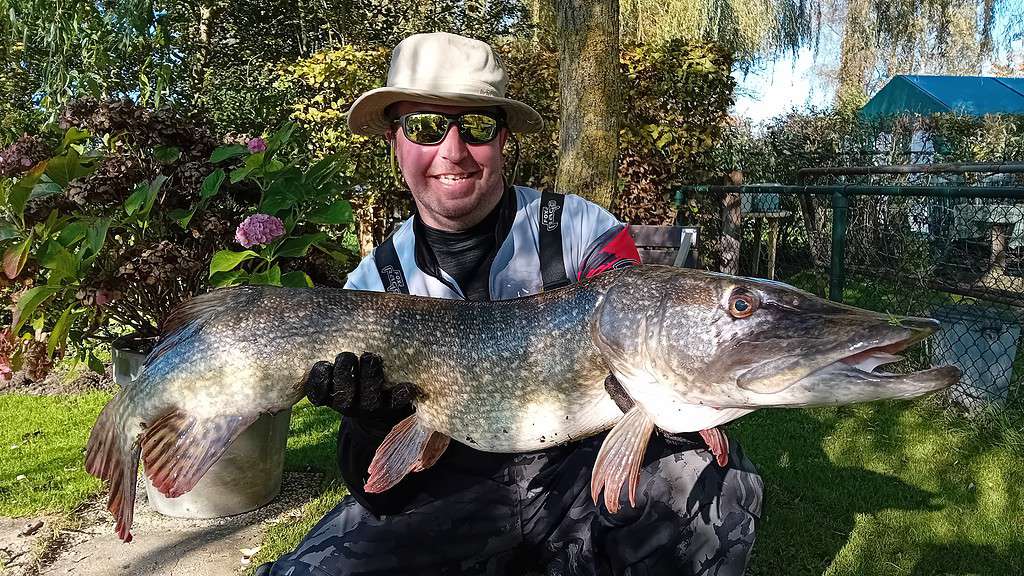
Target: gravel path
(161,546)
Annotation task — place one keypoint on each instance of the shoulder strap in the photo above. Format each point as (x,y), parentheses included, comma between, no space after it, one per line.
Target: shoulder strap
(552,265)
(390,267)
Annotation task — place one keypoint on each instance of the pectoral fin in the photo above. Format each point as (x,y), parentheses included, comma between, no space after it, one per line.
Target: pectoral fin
(409,447)
(620,457)
(178,448)
(718,443)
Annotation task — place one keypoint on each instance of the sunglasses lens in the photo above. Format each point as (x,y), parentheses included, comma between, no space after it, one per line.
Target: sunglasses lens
(425,128)
(478,128)
(430,128)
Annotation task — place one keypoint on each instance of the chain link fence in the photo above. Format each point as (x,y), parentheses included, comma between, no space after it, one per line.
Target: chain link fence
(944,244)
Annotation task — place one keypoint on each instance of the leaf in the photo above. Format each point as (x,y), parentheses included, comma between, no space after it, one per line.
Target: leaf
(154,189)
(296,279)
(45,187)
(271,277)
(132,204)
(28,303)
(15,258)
(167,154)
(251,164)
(283,194)
(95,237)
(299,246)
(232,278)
(145,195)
(55,257)
(64,169)
(229,151)
(72,233)
(72,136)
(8,231)
(338,212)
(211,185)
(280,136)
(20,192)
(225,260)
(59,334)
(95,364)
(181,216)
(327,168)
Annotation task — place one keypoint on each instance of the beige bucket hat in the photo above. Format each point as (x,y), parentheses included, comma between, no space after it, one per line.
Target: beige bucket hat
(441,68)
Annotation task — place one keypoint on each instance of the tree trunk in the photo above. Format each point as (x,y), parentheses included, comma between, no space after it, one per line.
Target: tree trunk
(587,37)
(203,43)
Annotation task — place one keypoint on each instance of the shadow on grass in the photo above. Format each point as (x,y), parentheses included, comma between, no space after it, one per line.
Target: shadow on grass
(884,488)
(811,504)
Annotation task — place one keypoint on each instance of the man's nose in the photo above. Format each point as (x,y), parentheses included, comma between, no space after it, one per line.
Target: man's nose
(453,148)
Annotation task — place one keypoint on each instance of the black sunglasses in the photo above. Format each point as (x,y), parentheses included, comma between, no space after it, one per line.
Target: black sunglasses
(429,128)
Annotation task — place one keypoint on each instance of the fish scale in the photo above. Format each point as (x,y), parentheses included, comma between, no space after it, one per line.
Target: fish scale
(510,376)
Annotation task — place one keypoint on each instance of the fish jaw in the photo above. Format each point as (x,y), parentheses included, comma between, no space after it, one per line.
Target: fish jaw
(840,383)
(850,373)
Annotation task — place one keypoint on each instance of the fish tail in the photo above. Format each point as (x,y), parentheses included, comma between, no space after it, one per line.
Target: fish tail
(113,456)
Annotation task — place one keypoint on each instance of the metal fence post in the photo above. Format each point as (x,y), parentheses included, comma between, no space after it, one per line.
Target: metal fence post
(837,270)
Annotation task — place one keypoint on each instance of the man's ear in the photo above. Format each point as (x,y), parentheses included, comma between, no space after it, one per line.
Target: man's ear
(503,137)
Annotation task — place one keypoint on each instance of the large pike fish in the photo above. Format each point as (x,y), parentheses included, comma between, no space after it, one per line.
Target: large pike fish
(692,349)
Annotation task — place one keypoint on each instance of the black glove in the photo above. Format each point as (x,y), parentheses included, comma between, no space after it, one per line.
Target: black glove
(356,387)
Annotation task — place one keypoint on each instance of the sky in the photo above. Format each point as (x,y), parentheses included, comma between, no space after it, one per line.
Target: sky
(776,87)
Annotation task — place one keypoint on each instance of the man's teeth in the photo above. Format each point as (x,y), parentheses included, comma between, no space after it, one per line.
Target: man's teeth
(449,178)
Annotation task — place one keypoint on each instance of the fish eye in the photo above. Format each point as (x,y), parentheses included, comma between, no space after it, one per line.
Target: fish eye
(742,304)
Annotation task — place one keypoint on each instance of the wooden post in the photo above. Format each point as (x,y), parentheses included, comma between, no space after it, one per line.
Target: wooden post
(732,231)
(758,231)
(773,242)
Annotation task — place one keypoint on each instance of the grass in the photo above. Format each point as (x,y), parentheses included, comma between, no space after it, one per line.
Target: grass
(42,439)
(879,489)
(312,439)
(896,488)
(884,489)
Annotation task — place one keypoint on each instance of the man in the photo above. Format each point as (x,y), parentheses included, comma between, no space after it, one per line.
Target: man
(446,119)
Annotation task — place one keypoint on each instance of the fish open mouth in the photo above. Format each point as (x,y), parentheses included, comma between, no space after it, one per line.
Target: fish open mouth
(857,377)
(869,360)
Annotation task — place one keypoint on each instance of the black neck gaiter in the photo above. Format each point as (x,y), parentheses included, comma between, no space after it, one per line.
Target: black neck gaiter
(467,255)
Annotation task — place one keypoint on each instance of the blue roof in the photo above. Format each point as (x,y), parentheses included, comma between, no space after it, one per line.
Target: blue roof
(972,95)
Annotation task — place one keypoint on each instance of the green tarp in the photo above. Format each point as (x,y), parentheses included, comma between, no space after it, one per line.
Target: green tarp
(973,95)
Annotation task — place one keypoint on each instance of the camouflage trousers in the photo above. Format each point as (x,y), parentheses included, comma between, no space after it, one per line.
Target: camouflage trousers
(536,516)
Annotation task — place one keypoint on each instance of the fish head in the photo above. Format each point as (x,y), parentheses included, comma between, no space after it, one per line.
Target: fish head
(711,339)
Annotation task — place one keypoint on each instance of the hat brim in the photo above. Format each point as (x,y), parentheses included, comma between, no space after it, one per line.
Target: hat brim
(366,117)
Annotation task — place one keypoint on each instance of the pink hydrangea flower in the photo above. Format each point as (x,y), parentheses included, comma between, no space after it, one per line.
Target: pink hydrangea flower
(6,373)
(256,145)
(259,229)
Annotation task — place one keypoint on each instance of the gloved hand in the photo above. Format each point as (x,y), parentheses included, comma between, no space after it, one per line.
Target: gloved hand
(356,387)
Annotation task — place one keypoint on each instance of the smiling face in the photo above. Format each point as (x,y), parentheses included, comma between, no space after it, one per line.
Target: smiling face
(454,184)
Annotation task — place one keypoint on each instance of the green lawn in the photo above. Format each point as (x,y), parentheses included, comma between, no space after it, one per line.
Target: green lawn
(42,439)
(885,488)
(311,446)
(880,489)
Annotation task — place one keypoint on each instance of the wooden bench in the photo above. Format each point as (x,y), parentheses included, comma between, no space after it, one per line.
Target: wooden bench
(671,245)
